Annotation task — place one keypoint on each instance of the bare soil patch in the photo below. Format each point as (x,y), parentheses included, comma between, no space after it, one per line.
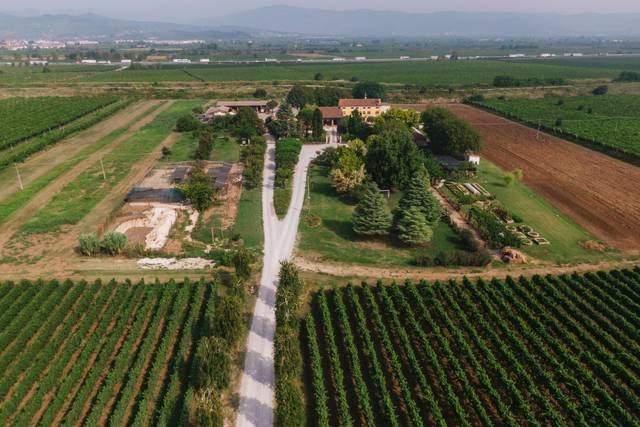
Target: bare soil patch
(598,192)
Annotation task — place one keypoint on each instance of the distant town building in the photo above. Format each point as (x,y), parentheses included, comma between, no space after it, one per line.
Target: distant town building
(182,61)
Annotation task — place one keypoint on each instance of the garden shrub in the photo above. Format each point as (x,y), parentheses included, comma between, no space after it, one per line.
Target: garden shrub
(113,243)
(89,244)
(212,364)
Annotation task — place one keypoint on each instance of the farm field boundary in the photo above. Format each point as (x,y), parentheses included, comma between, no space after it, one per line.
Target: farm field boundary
(546,350)
(82,193)
(34,145)
(630,155)
(39,199)
(596,191)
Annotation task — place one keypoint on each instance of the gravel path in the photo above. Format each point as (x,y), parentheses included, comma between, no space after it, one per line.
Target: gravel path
(258,379)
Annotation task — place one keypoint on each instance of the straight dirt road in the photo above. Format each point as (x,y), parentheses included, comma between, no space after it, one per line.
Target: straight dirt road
(258,378)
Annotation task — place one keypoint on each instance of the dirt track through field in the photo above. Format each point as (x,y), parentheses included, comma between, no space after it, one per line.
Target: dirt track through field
(43,197)
(44,161)
(598,192)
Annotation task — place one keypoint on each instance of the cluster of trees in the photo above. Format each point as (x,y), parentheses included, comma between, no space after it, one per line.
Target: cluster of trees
(284,125)
(287,152)
(112,243)
(252,157)
(300,96)
(413,221)
(510,81)
(199,189)
(222,332)
(310,122)
(289,410)
(449,134)
(369,89)
(628,76)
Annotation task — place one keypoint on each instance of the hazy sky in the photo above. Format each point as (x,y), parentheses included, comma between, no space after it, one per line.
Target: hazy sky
(198,10)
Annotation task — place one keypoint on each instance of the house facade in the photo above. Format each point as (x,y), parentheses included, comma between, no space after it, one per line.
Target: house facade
(368,108)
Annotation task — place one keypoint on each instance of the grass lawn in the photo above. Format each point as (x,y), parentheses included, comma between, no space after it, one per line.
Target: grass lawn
(564,234)
(249,218)
(334,240)
(225,149)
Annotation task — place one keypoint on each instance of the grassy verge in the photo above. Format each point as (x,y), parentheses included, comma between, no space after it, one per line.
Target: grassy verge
(225,149)
(15,202)
(281,200)
(564,234)
(249,219)
(89,188)
(334,239)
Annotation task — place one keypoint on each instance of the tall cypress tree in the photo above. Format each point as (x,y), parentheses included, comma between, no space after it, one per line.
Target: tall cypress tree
(317,124)
(413,228)
(371,217)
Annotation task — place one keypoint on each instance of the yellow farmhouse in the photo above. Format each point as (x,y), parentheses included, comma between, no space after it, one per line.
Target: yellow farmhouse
(368,108)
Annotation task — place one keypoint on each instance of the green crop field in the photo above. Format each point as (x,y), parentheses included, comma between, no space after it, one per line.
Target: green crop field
(610,121)
(90,354)
(615,63)
(24,118)
(555,350)
(454,73)
(81,195)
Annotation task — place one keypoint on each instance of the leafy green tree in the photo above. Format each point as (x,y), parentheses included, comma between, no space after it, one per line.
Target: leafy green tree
(299,96)
(260,93)
(371,217)
(369,90)
(242,259)
(212,364)
(328,96)
(246,124)
(187,123)
(348,169)
(413,228)
(449,134)
(284,125)
(354,126)
(392,157)
(199,189)
(409,118)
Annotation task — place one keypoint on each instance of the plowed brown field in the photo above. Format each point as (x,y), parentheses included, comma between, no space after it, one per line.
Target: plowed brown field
(600,193)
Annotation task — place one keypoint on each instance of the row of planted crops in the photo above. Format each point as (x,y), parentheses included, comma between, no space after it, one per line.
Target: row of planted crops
(24,118)
(554,350)
(98,353)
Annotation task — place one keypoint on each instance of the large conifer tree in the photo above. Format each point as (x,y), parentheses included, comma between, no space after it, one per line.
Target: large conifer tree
(413,228)
(371,217)
(417,194)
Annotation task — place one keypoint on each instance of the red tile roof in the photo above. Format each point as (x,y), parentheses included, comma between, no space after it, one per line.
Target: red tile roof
(331,112)
(374,102)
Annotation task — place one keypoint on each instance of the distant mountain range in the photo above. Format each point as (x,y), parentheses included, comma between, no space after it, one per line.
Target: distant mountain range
(92,26)
(286,20)
(384,24)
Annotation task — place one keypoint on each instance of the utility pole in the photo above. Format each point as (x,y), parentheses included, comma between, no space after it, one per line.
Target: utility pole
(538,133)
(104,175)
(212,237)
(19,177)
